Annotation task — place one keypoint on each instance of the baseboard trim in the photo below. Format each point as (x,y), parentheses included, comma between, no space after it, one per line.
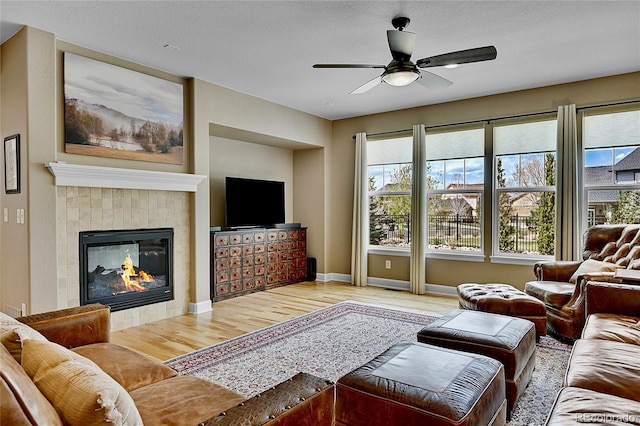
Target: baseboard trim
(345,278)
(200,307)
(441,289)
(389,283)
(323,278)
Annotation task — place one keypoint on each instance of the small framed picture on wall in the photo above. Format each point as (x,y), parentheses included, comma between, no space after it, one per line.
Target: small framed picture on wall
(12,164)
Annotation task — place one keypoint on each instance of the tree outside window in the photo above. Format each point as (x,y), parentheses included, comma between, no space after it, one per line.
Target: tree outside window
(455,190)
(390,208)
(390,170)
(525,188)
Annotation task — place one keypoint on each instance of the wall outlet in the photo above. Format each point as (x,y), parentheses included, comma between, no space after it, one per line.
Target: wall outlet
(24,309)
(6,214)
(387,264)
(20,216)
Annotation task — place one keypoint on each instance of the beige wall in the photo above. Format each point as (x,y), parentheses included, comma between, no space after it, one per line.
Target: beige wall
(247,160)
(300,169)
(14,247)
(28,109)
(222,114)
(445,272)
(310,200)
(1,201)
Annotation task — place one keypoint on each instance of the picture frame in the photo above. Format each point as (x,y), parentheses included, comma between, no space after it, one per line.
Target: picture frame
(112,111)
(12,164)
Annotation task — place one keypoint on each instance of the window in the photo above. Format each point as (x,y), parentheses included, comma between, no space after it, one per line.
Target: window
(611,173)
(390,170)
(524,178)
(455,190)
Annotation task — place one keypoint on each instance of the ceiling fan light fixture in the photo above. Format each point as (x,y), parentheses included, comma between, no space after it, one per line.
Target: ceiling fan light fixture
(402,71)
(400,78)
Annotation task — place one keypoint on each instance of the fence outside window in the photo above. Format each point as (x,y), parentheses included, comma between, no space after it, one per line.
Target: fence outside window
(450,232)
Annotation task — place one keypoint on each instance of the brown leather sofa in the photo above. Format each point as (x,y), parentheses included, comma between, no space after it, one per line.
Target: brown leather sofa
(602,382)
(604,245)
(159,393)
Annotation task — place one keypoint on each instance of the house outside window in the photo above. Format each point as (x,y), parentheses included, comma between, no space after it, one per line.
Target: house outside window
(455,190)
(390,169)
(524,218)
(611,144)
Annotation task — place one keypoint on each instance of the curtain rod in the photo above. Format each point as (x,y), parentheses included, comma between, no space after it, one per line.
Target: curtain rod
(389,133)
(489,120)
(613,104)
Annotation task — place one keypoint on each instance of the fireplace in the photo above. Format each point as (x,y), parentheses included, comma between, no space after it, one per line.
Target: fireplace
(126,268)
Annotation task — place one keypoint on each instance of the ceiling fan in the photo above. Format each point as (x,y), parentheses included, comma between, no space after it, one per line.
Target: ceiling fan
(402,72)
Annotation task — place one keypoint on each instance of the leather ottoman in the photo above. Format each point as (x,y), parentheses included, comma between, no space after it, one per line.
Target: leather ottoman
(266,408)
(503,299)
(512,341)
(418,384)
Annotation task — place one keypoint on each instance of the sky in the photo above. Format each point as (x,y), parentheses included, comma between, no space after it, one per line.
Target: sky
(603,157)
(132,93)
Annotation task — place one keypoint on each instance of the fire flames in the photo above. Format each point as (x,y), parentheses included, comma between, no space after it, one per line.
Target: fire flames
(132,279)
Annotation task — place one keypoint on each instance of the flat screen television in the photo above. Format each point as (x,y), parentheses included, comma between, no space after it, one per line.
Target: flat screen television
(253,202)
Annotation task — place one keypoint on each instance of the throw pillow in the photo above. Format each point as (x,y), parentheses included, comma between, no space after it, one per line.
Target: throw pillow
(78,389)
(590,266)
(13,331)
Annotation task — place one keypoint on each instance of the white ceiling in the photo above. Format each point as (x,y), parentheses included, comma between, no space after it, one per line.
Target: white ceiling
(267,48)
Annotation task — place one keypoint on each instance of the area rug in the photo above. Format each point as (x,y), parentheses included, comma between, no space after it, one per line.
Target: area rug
(335,340)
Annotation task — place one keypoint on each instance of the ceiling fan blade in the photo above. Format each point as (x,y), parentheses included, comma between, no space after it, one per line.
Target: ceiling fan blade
(401,44)
(433,81)
(367,86)
(348,66)
(478,54)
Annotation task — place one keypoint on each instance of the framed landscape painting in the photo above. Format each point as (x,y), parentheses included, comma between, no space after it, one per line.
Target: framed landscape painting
(111,111)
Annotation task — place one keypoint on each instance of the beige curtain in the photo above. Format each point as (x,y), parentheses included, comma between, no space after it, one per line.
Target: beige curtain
(360,229)
(418,209)
(568,188)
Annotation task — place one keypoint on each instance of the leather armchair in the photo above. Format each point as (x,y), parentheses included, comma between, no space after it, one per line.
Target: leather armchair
(564,300)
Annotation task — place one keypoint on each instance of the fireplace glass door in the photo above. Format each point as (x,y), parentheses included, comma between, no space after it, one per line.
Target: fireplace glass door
(126,269)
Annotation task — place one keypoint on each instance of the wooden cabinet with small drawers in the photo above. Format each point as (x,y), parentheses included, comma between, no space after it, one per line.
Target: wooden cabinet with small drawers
(245,261)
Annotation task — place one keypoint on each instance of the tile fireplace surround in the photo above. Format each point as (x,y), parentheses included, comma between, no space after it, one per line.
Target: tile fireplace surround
(80,208)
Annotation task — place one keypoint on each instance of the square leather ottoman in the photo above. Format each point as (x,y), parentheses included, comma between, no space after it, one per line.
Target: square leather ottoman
(307,400)
(418,384)
(510,340)
(503,299)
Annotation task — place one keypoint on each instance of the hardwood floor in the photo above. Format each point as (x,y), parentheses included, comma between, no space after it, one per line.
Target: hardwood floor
(169,338)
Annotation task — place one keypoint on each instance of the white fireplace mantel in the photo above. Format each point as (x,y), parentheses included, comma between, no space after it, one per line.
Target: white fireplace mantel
(108,177)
